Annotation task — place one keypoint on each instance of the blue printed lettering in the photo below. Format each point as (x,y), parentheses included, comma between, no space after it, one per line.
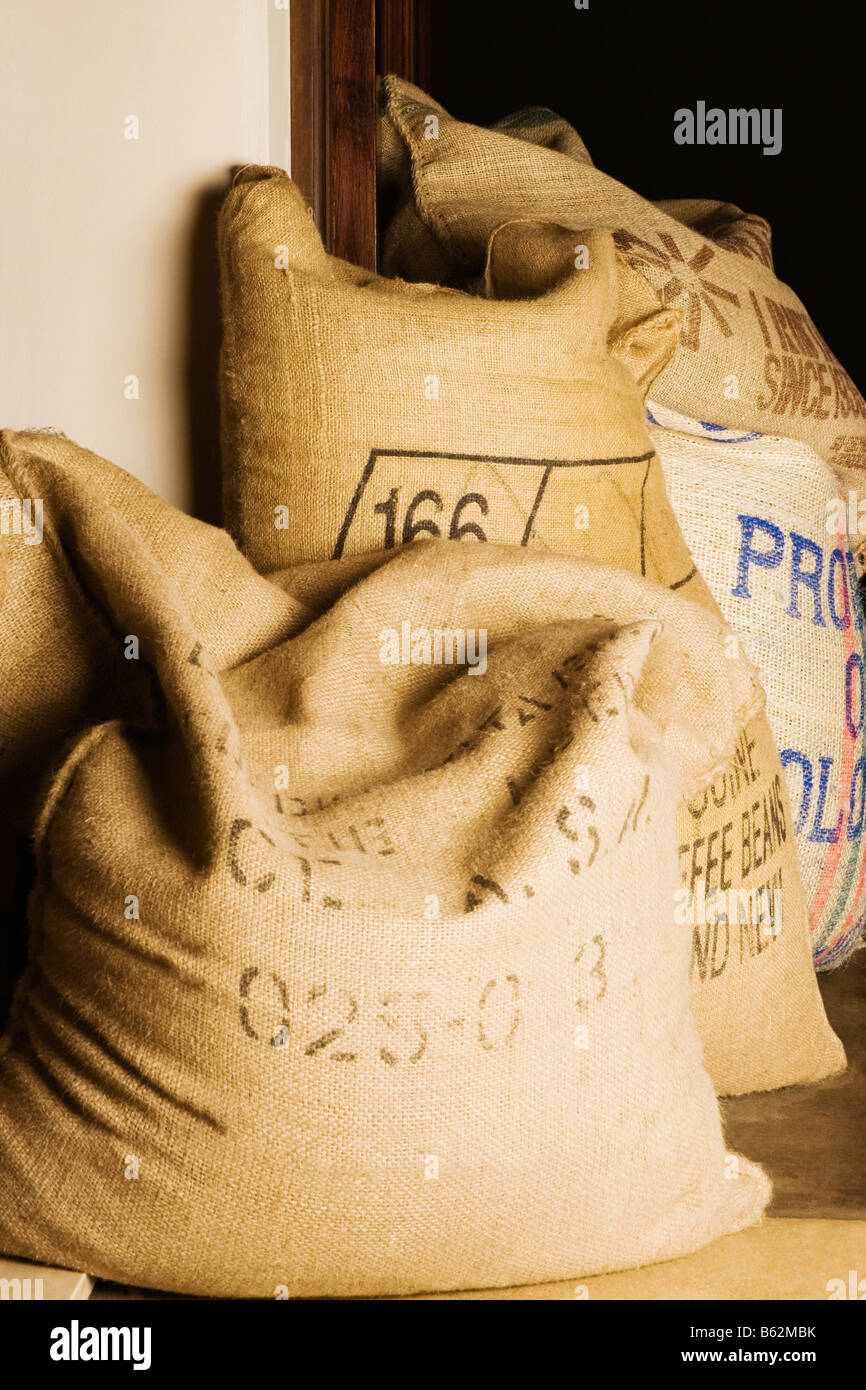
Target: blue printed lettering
(764,559)
(808,579)
(838,562)
(858,784)
(825,834)
(789,756)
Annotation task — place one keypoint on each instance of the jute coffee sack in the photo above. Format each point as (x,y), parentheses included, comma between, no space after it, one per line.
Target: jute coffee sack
(327,422)
(749,354)
(361,413)
(54,608)
(765,522)
(355,966)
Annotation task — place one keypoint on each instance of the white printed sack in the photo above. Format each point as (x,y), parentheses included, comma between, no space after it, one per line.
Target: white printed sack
(765,522)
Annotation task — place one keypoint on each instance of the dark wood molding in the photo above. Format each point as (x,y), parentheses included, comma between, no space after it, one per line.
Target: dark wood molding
(309,86)
(337,49)
(351,135)
(403,32)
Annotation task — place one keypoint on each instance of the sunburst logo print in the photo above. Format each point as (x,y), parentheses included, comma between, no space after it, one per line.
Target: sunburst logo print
(685,281)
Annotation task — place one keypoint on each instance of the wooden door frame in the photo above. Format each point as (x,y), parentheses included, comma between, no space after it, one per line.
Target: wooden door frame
(337,49)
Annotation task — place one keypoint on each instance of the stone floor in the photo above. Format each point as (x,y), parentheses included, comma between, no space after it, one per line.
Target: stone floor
(812,1139)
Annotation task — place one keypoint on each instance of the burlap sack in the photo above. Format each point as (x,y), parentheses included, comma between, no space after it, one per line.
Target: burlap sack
(360,413)
(11,926)
(749,354)
(340,981)
(535,425)
(765,522)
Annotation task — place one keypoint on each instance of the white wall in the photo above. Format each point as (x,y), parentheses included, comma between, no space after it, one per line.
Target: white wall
(107,254)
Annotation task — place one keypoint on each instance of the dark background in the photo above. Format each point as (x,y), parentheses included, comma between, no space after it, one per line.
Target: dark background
(620,69)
